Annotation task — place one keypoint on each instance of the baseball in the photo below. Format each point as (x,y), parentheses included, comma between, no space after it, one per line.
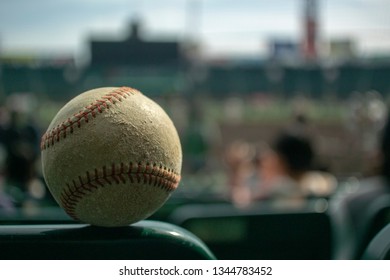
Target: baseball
(111,157)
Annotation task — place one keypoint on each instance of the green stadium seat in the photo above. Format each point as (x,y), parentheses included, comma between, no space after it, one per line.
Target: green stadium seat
(145,240)
(380,213)
(379,247)
(259,232)
(352,241)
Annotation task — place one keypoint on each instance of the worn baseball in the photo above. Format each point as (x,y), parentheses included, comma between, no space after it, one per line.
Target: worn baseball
(111,157)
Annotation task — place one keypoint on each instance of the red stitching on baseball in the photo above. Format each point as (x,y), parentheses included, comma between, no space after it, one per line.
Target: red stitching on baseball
(155,175)
(98,106)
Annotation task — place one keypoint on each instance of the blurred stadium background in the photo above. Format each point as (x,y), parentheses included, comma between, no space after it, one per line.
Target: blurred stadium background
(217,99)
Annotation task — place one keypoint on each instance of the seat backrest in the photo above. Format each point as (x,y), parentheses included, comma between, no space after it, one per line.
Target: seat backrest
(259,233)
(145,240)
(352,231)
(379,247)
(379,217)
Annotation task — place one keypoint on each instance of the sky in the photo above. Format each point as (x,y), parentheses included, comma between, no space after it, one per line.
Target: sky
(222,27)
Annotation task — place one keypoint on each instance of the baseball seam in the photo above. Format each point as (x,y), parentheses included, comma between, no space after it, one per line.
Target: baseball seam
(89,112)
(146,174)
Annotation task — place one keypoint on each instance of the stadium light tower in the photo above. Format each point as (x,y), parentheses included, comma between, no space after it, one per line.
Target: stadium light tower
(310,30)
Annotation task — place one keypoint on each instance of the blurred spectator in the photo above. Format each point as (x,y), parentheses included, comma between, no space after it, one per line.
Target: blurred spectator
(195,147)
(20,141)
(366,115)
(238,158)
(282,168)
(195,139)
(6,203)
(354,212)
(285,170)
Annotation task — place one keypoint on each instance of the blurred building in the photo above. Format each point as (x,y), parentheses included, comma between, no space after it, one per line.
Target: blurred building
(166,66)
(286,51)
(152,66)
(134,51)
(342,50)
